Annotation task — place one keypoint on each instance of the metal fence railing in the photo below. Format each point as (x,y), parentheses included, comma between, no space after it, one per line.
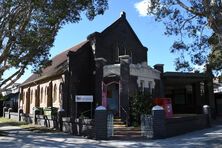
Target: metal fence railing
(110,125)
(147,126)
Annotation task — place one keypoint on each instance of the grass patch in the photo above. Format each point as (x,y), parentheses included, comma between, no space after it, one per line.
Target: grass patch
(10,122)
(24,125)
(38,128)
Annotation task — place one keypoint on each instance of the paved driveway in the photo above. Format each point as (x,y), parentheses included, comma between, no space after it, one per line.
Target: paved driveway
(17,137)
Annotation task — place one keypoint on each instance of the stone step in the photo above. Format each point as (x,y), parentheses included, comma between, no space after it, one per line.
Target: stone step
(116,126)
(117,123)
(127,128)
(117,120)
(127,132)
(128,137)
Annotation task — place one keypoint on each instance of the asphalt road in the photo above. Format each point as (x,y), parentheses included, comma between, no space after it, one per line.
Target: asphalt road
(17,137)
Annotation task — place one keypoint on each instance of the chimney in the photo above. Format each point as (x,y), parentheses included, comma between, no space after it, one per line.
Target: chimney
(159,67)
(123,14)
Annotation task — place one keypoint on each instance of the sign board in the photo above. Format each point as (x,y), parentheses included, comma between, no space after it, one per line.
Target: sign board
(84,98)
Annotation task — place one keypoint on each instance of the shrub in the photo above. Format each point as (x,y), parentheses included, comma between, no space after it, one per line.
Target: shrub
(140,103)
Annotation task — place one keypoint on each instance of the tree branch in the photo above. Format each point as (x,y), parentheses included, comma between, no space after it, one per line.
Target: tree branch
(187,20)
(14,77)
(189,9)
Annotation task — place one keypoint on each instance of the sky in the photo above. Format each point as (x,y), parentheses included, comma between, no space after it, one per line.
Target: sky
(150,33)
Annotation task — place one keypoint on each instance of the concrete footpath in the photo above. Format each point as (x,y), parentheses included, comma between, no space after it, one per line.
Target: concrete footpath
(20,138)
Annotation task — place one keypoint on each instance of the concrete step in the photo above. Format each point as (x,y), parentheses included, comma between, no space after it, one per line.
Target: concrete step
(119,126)
(117,123)
(128,137)
(127,128)
(117,120)
(127,133)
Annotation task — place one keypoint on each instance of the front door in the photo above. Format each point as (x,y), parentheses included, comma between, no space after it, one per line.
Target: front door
(113,98)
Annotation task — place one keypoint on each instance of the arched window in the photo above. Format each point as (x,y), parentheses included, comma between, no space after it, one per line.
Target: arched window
(24,95)
(41,97)
(46,92)
(31,96)
(60,95)
(36,98)
(54,94)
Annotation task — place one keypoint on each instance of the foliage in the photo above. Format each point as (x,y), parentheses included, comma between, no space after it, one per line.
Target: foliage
(199,21)
(140,103)
(28,30)
(3,98)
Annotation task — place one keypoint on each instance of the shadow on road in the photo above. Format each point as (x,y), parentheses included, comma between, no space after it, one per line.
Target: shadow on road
(18,137)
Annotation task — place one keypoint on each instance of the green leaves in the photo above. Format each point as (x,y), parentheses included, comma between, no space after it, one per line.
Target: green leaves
(140,103)
(193,22)
(28,28)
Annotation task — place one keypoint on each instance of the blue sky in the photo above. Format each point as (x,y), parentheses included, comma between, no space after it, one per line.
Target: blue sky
(150,33)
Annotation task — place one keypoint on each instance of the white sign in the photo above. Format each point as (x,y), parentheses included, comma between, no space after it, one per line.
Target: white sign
(82,98)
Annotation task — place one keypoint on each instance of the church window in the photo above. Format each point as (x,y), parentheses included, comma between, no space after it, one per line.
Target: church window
(41,98)
(54,94)
(142,85)
(31,97)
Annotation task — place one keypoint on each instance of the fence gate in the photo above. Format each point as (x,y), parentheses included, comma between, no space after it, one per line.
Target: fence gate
(110,125)
(147,126)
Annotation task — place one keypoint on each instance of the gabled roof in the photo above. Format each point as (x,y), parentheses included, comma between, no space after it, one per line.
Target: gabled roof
(58,65)
(117,22)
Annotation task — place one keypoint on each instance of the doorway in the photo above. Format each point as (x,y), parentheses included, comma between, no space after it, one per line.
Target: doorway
(113,98)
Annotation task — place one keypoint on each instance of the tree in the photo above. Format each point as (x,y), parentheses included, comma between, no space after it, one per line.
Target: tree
(198,25)
(28,29)
(140,103)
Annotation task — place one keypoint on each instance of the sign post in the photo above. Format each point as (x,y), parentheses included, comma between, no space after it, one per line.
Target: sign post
(84,98)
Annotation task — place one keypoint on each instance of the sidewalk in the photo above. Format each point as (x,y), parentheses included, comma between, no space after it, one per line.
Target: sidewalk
(17,137)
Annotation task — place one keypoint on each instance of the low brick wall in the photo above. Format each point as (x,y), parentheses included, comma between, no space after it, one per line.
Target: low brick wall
(84,127)
(180,124)
(27,118)
(47,121)
(12,115)
(6,114)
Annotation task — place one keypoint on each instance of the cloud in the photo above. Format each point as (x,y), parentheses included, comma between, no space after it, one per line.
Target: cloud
(142,7)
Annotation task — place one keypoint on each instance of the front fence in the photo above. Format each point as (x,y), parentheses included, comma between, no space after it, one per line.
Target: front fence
(152,126)
(146,126)
(82,126)
(109,125)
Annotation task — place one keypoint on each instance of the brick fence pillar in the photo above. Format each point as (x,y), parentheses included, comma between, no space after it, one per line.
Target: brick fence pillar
(101,123)
(36,112)
(20,111)
(9,112)
(159,128)
(207,112)
(4,110)
(60,115)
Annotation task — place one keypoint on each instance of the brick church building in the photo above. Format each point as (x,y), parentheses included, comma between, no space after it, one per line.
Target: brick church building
(110,66)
